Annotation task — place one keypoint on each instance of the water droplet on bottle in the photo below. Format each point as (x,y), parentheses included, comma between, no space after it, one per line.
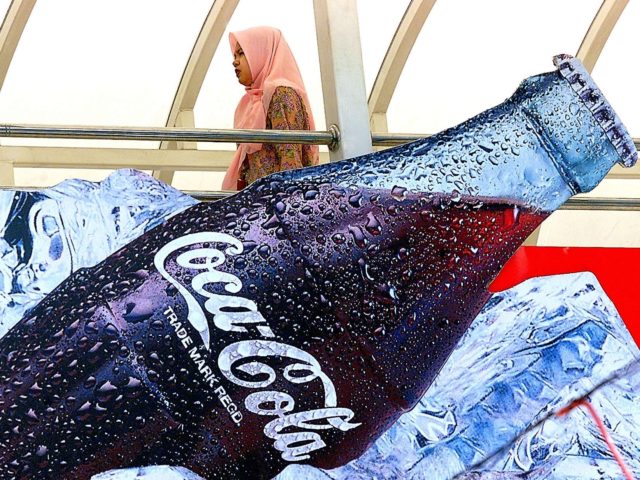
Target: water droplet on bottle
(310,194)
(355,200)
(511,216)
(280,207)
(91,328)
(364,270)
(373,225)
(358,236)
(272,222)
(72,328)
(106,392)
(338,238)
(140,310)
(398,193)
(140,274)
(35,389)
(132,388)
(111,330)
(157,325)
(32,416)
(249,245)
(393,293)
(90,382)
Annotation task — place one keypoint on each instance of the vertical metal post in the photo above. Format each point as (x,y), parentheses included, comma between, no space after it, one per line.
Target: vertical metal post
(7,178)
(341,68)
(184,118)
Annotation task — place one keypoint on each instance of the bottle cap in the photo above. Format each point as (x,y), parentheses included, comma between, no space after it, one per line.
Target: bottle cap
(574,72)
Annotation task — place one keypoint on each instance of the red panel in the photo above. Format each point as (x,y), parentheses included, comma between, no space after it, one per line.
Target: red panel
(616,269)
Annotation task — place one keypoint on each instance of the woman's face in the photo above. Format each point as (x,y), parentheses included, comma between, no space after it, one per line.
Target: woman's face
(241,66)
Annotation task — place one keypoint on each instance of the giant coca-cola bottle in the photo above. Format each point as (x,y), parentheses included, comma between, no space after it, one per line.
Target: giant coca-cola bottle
(296,320)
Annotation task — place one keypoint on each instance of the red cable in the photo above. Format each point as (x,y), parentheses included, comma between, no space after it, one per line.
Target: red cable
(583,402)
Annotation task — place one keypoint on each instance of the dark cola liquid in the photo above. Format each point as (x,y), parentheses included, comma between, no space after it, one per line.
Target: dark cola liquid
(278,327)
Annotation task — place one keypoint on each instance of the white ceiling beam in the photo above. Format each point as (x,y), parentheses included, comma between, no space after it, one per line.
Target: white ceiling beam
(394,61)
(13,25)
(599,30)
(181,113)
(342,72)
(114,158)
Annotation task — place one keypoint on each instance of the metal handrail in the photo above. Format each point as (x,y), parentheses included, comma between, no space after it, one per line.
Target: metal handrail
(393,139)
(575,203)
(607,204)
(330,137)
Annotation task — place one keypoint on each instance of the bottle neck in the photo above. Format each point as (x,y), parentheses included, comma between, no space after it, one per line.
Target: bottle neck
(572,128)
(550,140)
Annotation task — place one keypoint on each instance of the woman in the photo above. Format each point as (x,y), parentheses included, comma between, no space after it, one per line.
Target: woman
(275,98)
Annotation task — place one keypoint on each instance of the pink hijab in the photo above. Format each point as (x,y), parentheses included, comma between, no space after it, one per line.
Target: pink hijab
(272,65)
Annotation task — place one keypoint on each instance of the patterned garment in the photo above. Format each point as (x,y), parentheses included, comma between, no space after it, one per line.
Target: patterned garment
(286,112)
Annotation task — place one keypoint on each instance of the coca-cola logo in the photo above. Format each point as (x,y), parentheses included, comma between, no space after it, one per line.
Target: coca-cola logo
(294,433)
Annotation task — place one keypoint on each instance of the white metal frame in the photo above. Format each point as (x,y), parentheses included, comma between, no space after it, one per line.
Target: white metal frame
(342,71)
(599,32)
(181,113)
(11,30)
(394,61)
